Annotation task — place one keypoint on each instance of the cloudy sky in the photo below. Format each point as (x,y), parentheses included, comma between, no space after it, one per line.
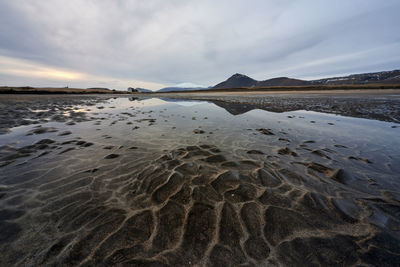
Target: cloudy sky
(152,44)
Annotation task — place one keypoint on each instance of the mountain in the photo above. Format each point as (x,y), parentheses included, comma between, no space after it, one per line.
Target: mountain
(281,81)
(177,89)
(239,80)
(364,78)
(242,81)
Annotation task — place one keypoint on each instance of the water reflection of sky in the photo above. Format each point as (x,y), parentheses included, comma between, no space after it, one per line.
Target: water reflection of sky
(186,103)
(177,119)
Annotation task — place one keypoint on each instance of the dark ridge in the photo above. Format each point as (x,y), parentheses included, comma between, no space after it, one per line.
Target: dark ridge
(282,81)
(375,78)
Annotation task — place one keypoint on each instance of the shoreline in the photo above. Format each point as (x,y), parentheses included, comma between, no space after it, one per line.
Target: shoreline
(360,89)
(277,92)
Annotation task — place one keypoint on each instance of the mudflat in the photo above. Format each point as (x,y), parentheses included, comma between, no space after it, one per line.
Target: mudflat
(201,179)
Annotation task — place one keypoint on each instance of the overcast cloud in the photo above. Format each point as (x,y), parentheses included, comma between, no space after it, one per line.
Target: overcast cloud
(88,43)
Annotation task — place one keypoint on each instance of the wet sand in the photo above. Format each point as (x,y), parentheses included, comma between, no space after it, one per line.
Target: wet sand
(156,183)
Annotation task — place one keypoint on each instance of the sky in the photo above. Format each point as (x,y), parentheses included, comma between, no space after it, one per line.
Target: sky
(158,43)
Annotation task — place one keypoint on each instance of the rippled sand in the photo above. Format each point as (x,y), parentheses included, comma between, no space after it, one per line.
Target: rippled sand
(155,183)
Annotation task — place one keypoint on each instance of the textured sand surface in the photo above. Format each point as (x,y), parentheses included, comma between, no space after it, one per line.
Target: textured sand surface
(152,183)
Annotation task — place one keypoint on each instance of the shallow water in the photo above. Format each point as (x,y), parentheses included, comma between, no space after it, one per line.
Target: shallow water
(164,181)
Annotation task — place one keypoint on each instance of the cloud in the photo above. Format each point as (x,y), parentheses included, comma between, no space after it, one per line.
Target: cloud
(18,72)
(204,42)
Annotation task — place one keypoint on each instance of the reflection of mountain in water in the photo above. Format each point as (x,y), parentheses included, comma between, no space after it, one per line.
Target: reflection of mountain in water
(234,108)
(239,108)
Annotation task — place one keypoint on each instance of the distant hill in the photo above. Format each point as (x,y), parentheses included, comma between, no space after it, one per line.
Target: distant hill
(239,80)
(389,77)
(281,81)
(97,88)
(177,89)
